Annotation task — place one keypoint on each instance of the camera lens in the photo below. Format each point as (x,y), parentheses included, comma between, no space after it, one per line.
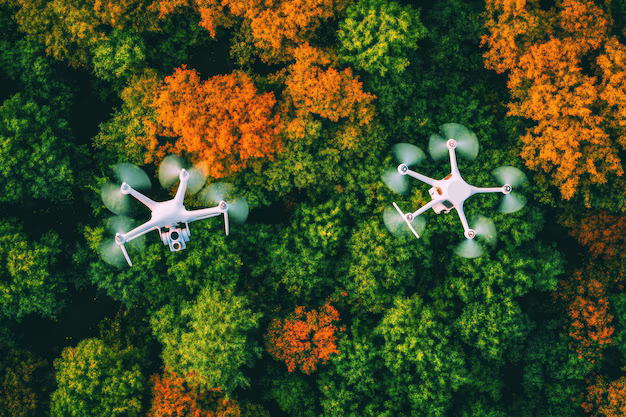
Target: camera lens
(176,245)
(174,235)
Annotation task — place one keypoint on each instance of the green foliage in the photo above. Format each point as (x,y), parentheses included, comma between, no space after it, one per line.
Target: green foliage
(34,157)
(377,34)
(30,281)
(94,379)
(291,391)
(159,276)
(350,387)
(120,56)
(20,376)
(551,375)
(209,337)
(424,363)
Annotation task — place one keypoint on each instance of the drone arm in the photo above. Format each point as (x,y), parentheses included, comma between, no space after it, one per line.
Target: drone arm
(139,231)
(461,213)
(476,190)
(127,189)
(425,207)
(422,178)
(201,214)
(453,165)
(182,187)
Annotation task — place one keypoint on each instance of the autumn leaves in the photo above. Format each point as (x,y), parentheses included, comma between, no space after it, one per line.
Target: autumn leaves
(223,122)
(578,124)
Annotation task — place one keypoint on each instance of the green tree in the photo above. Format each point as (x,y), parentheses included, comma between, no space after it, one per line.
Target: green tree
(122,55)
(292,391)
(30,280)
(94,379)
(34,157)
(377,34)
(425,364)
(158,276)
(209,337)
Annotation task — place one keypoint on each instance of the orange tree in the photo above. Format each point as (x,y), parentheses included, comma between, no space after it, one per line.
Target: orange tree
(221,122)
(304,338)
(175,396)
(606,399)
(585,294)
(578,118)
(276,27)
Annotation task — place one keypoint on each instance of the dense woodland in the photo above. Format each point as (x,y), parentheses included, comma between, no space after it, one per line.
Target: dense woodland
(312,308)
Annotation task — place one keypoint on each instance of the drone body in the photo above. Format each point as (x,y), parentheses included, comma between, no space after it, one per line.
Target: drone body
(170,214)
(452,191)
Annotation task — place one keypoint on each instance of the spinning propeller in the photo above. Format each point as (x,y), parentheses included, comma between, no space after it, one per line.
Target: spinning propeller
(113,197)
(510,178)
(169,171)
(222,193)
(466,142)
(170,218)
(407,155)
(484,231)
(450,192)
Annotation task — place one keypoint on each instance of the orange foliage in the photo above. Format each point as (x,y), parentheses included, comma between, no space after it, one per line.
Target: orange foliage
(174,396)
(221,122)
(212,13)
(606,400)
(273,23)
(304,338)
(328,93)
(572,110)
(588,309)
(604,234)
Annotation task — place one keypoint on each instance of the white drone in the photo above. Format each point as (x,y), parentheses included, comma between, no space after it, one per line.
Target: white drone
(451,191)
(170,214)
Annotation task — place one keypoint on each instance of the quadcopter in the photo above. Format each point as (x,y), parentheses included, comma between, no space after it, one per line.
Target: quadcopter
(171,214)
(451,191)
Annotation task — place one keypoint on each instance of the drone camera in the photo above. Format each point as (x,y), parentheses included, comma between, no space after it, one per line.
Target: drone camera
(175,238)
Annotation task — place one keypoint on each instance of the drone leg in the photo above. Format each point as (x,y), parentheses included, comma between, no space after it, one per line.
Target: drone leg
(422,178)
(408,223)
(226,224)
(453,165)
(126,255)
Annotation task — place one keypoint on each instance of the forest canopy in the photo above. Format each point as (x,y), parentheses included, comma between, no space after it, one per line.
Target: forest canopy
(315,303)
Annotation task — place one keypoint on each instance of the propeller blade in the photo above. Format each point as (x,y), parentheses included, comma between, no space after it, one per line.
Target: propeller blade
(238,208)
(114,200)
(485,229)
(509,175)
(469,249)
(396,181)
(408,154)
(216,192)
(437,147)
(466,141)
(132,175)
(196,180)
(119,224)
(112,254)
(169,170)
(396,225)
(512,203)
